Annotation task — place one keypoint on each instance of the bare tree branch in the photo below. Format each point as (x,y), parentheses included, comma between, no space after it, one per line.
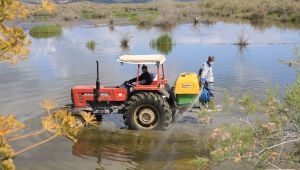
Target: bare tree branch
(271,147)
(273,165)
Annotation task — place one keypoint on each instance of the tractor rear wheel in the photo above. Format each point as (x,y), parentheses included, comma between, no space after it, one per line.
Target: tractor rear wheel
(147,111)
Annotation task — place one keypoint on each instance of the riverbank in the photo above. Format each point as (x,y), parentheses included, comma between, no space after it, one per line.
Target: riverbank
(254,10)
(168,14)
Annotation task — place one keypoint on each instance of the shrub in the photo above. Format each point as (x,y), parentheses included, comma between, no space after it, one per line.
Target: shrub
(91,45)
(202,163)
(163,43)
(248,104)
(124,41)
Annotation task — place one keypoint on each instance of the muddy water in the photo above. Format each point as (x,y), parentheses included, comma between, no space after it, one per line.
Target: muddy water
(173,149)
(57,64)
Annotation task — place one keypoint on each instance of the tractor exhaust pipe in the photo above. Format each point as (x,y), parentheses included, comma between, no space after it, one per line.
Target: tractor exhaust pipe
(96,93)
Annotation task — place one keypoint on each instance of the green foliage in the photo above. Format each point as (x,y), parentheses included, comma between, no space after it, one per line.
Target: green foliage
(244,138)
(204,116)
(133,17)
(163,44)
(264,142)
(142,17)
(202,163)
(227,102)
(248,104)
(295,155)
(261,142)
(91,45)
(96,14)
(273,107)
(125,14)
(271,103)
(292,102)
(42,14)
(46,31)
(233,141)
(278,10)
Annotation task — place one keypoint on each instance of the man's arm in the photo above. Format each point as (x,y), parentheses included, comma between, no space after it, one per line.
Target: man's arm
(134,79)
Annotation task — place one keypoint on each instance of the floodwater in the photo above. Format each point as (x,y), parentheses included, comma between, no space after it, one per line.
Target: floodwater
(56,64)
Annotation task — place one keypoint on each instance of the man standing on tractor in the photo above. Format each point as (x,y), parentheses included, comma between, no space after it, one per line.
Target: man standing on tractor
(145,78)
(206,75)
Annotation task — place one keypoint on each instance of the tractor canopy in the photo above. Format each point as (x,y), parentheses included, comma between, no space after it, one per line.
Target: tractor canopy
(142,59)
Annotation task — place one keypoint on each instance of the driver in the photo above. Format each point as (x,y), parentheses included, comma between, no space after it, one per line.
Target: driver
(144,78)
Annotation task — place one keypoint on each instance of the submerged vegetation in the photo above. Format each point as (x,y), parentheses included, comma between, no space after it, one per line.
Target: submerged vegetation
(242,41)
(91,45)
(45,31)
(163,43)
(124,42)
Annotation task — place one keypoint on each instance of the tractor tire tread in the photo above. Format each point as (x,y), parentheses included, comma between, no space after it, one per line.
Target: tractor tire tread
(149,98)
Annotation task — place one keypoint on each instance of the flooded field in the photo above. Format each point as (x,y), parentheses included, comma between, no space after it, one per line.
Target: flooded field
(58,63)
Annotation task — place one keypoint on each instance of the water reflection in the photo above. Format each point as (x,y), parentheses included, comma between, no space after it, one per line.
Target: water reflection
(172,149)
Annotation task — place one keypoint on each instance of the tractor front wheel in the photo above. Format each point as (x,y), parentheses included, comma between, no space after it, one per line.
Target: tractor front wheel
(147,111)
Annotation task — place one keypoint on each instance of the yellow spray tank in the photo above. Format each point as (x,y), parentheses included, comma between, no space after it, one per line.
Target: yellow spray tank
(186,88)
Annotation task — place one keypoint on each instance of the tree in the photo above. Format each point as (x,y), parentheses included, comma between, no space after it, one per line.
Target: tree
(13,41)
(59,123)
(14,44)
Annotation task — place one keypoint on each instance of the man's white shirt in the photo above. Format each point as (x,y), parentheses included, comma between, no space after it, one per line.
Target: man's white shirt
(207,72)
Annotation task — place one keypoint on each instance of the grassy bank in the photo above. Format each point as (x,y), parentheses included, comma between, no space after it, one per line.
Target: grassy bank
(45,31)
(254,10)
(161,14)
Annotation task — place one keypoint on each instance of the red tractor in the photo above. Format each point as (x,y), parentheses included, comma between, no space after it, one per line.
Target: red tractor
(143,106)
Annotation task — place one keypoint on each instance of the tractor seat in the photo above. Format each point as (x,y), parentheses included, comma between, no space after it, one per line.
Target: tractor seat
(153,76)
(155,81)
